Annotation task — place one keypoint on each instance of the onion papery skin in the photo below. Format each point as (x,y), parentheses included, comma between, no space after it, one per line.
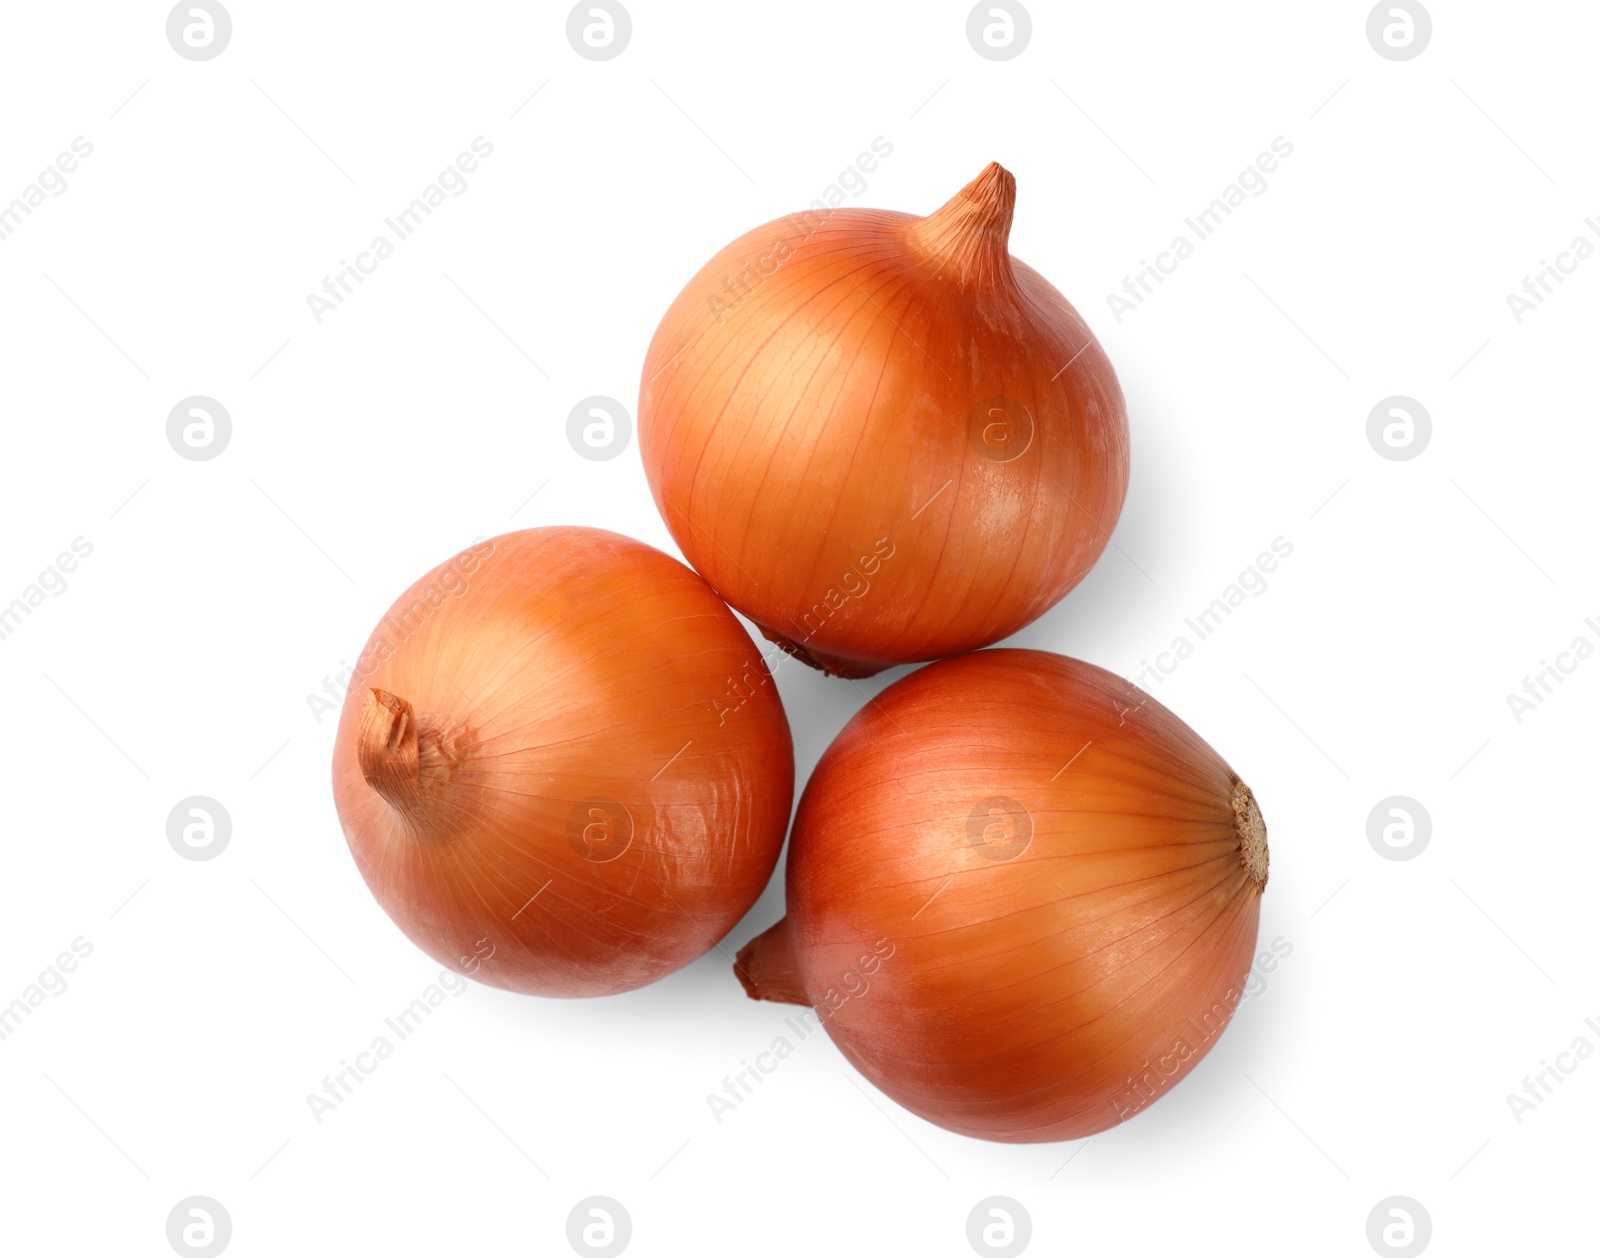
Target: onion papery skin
(562,767)
(881,437)
(1022,895)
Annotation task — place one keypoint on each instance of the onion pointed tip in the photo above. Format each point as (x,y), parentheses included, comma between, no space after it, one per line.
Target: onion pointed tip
(994,191)
(969,234)
(1251,828)
(388,733)
(767,970)
(987,203)
(386,747)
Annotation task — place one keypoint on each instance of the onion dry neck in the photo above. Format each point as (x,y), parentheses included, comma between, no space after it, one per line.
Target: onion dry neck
(767,969)
(968,238)
(407,760)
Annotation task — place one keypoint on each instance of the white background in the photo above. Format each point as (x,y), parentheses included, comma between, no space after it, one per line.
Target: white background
(220,594)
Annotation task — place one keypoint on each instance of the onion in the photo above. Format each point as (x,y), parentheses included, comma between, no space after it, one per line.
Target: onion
(565,769)
(1022,895)
(881,437)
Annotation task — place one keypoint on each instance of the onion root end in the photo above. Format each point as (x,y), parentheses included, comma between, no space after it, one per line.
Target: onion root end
(1251,828)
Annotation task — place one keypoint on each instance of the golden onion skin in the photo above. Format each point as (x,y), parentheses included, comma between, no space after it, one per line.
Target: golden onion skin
(881,437)
(546,772)
(1022,895)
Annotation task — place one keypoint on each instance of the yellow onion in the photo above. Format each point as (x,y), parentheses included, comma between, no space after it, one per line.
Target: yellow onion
(1022,895)
(562,767)
(881,437)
